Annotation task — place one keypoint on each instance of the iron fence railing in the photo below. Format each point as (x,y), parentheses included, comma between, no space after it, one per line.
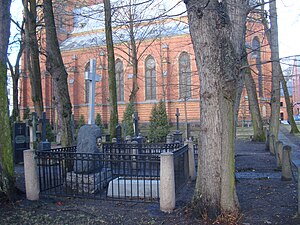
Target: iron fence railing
(100,175)
(181,170)
(117,172)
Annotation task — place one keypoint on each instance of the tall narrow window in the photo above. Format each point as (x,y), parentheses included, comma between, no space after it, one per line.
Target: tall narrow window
(86,82)
(150,78)
(120,80)
(256,53)
(185,76)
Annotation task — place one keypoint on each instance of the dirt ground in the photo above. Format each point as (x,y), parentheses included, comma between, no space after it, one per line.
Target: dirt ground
(263,197)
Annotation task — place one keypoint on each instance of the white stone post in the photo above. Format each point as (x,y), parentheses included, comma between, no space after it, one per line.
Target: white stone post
(167,182)
(32,184)
(192,167)
(286,174)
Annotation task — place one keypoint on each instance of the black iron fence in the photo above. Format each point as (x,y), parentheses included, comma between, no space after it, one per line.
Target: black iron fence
(181,167)
(118,172)
(106,175)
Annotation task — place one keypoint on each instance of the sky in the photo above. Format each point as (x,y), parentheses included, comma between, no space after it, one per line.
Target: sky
(289,27)
(288,24)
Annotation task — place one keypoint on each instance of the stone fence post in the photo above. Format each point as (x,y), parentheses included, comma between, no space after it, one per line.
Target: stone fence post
(267,134)
(272,145)
(167,182)
(278,153)
(286,163)
(32,184)
(191,156)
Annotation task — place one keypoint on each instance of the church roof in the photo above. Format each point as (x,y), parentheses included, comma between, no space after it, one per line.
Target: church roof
(151,31)
(88,29)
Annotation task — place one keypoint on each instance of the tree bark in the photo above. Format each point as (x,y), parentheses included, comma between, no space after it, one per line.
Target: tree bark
(275,97)
(6,150)
(15,74)
(134,60)
(55,67)
(218,35)
(258,129)
(289,107)
(32,55)
(111,70)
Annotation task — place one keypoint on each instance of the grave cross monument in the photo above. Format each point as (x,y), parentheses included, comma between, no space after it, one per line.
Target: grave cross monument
(135,119)
(92,77)
(177,134)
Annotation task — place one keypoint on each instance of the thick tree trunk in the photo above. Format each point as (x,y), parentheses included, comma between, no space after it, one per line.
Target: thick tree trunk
(6,150)
(218,35)
(111,70)
(32,55)
(55,67)
(275,98)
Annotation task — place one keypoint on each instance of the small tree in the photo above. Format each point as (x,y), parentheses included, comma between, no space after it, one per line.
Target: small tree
(159,126)
(98,121)
(81,122)
(127,116)
(26,113)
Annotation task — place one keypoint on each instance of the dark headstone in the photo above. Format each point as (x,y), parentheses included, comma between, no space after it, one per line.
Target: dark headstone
(119,133)
(44,122)
(87,143)
(135,121)
(20,141)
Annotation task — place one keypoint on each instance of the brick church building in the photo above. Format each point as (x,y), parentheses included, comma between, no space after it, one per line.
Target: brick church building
(166,62)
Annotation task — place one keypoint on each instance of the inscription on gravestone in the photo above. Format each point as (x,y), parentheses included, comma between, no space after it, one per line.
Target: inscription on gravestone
(20,143)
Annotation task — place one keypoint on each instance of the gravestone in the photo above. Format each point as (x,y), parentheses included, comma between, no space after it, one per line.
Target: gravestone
(87,143)
(32,129)
(20,141)
(135,120)
(177,134)
(88,176)
(44,144)
(119,133)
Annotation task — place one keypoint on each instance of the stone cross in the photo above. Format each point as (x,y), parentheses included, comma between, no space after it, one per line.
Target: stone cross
(135,119)
(92,77)
(177,118)
(32,130)
(44,122)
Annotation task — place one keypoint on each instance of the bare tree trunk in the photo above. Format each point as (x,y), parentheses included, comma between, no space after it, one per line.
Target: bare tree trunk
(55,67)
(111,70)
(275,98)
(134,58)
(6,150)
(218,36)
(258,129)
(289,107)
(15,74)
(32,55)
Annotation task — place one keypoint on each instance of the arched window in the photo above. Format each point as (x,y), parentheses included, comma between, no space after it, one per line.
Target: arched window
(256,53)
(185,76)
(150,78)
(86,83)
(120,80)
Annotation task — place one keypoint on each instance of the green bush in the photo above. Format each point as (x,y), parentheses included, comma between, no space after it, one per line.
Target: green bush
(98,122)
(49,133)
(127,119)
(81,122)
(26,114)
(159,125)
